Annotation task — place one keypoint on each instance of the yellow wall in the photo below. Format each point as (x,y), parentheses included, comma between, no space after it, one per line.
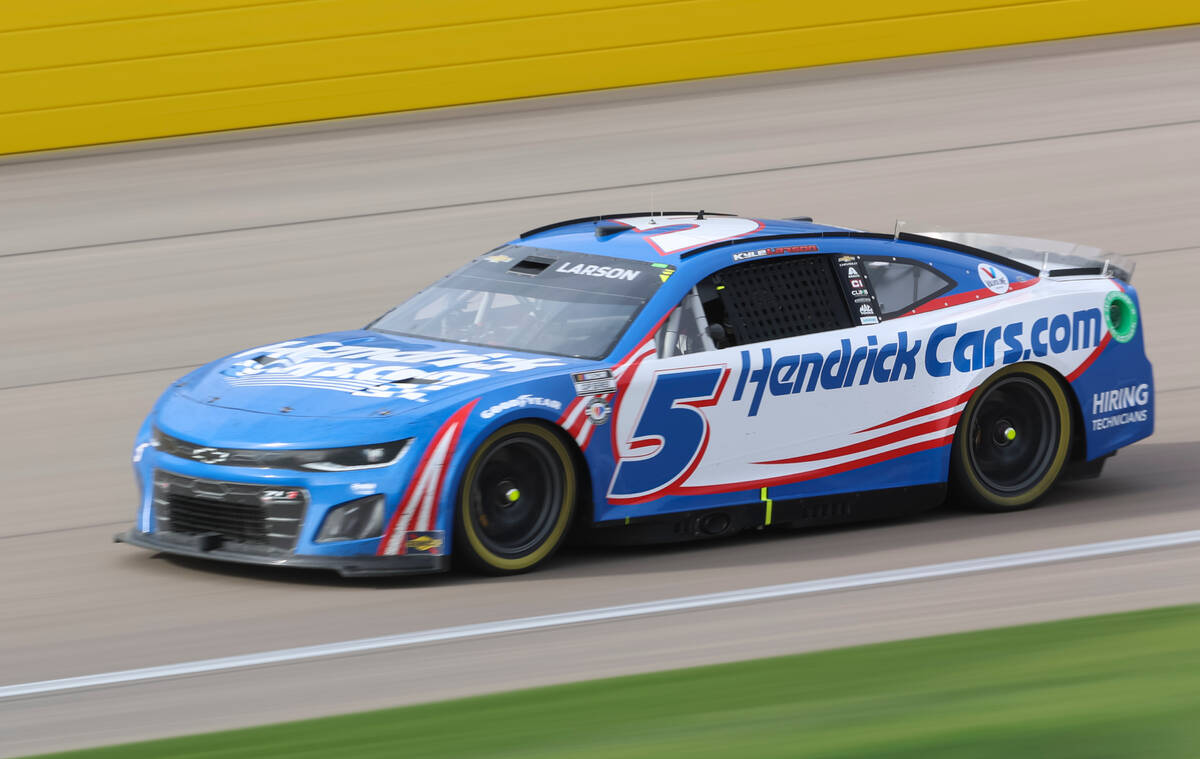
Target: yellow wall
(75,72)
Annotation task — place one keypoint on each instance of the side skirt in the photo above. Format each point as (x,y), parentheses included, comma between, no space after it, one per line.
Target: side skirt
(817,511)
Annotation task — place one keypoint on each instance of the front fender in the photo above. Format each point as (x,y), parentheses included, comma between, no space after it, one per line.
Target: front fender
(427,504)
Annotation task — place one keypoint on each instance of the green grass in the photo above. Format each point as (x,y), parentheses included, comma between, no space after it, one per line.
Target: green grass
(1114,686)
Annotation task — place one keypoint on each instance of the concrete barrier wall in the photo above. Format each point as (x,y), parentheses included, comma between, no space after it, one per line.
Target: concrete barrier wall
(77,72)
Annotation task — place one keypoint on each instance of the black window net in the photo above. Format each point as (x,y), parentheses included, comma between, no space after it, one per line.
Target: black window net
(768,300)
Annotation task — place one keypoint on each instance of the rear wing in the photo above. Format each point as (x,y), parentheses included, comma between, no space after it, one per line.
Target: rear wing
(1052,258)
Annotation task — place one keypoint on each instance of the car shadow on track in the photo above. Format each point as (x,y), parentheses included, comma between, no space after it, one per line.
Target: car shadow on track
(1151,479)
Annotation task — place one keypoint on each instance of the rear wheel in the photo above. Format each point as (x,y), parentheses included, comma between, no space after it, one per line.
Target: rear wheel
(1012,440)
(516,500)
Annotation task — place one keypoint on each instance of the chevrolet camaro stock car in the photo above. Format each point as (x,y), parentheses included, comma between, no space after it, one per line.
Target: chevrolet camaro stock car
(654,377)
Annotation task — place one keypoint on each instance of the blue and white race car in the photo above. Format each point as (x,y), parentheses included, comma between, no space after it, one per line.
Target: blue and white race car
(654,377)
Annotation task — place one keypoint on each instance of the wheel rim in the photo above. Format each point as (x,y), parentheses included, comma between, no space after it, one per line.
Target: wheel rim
(515,496)
(1011,438)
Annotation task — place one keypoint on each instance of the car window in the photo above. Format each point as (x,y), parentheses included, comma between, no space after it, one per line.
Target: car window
(756,301)
(531,299)
(901,285)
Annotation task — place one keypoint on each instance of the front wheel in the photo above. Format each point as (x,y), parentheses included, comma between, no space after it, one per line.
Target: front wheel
(516,500)
(1012,440)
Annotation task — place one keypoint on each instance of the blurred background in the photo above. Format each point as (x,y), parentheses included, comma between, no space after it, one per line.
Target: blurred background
(181,180)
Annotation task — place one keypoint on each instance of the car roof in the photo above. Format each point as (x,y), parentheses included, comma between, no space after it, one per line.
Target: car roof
(672,237)
(632,236)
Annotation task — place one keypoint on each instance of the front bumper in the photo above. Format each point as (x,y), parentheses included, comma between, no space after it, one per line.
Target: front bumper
(347,566)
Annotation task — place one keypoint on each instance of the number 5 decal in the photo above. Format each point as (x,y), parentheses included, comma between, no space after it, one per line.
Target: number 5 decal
(683,232)
(670,435)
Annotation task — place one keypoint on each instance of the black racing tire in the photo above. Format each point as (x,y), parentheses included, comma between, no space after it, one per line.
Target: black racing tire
(516,500)
(1012,441)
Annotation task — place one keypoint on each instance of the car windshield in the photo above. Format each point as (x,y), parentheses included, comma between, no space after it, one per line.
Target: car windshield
(533,300)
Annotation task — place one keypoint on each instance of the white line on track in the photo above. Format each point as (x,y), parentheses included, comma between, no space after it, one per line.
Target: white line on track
(525,624)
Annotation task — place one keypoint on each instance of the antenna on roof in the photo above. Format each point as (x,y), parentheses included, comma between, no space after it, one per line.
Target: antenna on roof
(700,216)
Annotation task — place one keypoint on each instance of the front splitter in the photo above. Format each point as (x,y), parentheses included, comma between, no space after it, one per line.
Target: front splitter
(346,566)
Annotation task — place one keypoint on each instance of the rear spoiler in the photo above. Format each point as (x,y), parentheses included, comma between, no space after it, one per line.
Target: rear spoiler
(1050,257)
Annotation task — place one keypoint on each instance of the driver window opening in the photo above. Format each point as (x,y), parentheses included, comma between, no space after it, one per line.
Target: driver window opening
(686,330)
(696,324)
(755,302)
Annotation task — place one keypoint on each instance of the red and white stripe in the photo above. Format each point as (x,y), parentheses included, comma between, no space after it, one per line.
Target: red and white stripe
(418,508)
(574,419)
(923,429)
(968,297)
(934,425)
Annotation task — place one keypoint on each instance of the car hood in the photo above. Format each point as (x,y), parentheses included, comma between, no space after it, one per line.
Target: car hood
(359,374)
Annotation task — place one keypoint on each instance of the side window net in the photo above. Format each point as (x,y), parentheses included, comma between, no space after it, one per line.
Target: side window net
(768,300)
(901,286)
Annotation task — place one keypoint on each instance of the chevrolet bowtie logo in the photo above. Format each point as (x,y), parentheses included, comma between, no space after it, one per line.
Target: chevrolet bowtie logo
(210,455)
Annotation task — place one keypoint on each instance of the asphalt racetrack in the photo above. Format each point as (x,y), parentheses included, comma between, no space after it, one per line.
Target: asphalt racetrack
(121,268)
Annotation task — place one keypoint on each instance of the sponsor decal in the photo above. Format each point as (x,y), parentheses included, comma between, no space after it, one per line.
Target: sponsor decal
(521,401)
(498,258)
(369,371)
(592,270)
(576,420)
(429,543)
(859,289)
(363,488)
(993,278)
(1120,316)
(747,254)
(900,359)
(1128,400)
(1121,398)
(598,411)
(595,382)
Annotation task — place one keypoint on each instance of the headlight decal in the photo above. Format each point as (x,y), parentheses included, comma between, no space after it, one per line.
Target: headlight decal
(350,458)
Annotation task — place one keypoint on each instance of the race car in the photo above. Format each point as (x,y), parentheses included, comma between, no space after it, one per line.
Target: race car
(653,377)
